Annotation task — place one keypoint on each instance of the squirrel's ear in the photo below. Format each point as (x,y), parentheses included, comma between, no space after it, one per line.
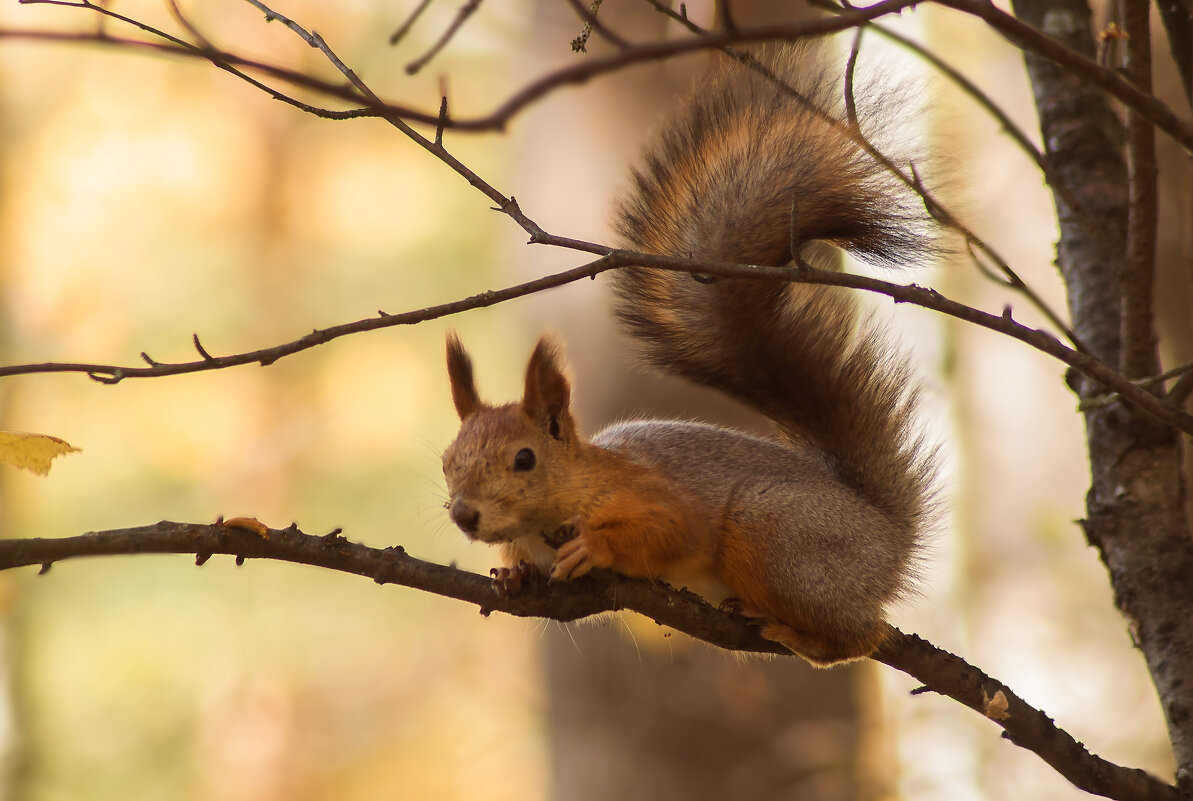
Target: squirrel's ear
(459,372)
(548,393)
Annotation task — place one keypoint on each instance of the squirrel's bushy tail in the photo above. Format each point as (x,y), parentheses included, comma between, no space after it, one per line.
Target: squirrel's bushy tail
(720,184)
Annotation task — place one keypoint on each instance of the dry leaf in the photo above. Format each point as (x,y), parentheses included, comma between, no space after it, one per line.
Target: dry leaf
(996,707)
(31,451)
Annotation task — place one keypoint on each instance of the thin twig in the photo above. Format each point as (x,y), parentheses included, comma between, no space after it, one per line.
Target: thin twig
(171,45)
(201,350)
(1155,380)
(617,259)
(855,51)
(911,177)
(273,16)
(405,27)
(1183,388)
(184,21)
(112,374)
(1175,397)
(975,93)
(593,25)
(442,118)
(461,17)
(1029,39)
(1150,107)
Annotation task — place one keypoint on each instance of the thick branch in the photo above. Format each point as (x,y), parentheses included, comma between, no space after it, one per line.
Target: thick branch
(938,670)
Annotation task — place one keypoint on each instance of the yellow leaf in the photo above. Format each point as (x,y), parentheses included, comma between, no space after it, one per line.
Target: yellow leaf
(31,451)
(996,706)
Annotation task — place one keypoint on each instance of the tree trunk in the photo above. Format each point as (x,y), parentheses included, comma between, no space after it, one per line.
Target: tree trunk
(1136,502)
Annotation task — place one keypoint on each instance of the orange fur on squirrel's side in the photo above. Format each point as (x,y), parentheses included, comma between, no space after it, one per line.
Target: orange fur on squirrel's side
(813,532)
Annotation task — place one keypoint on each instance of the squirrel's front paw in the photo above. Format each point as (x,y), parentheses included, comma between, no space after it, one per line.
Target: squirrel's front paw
(580,555)
(508,581)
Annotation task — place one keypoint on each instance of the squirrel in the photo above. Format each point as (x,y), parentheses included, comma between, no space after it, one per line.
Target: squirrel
(812,532)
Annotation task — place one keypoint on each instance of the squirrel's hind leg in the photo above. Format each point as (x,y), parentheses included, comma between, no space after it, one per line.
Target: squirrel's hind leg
(793,604)
(821,650)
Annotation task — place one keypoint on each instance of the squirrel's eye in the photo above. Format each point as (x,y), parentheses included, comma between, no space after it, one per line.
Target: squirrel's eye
(524,460)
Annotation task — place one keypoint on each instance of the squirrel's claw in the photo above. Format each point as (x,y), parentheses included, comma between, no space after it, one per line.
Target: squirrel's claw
(508,581)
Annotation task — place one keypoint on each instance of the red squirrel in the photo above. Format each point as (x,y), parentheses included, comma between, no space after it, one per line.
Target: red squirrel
(812,532)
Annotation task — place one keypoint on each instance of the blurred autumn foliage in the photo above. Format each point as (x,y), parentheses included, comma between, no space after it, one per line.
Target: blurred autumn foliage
(146,200)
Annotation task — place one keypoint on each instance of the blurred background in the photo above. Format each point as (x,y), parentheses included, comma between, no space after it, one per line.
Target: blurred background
(144,199)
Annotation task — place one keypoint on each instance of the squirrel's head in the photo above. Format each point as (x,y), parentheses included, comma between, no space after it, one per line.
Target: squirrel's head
(510,471)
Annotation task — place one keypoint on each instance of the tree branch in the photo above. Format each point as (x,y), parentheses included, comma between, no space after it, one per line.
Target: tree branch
(1129,391)
(1139,357)
(1019,33)
(938,670)
(941,672)
(1107,377)
(1031,40)
(910,177)
(466,11)
(704,38)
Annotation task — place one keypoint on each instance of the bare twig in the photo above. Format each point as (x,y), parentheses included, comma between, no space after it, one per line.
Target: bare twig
(1150,107)
(975,92)
(1110,380)
(406,25)
(910,177)
(855,50)
(593,25)
(616,259)
(1154,383)
(937,670)
(461,17)
(1155,380)
(1031,40)
(184,21)
(173,46)
(199,347)
(1183,388)
(442,118)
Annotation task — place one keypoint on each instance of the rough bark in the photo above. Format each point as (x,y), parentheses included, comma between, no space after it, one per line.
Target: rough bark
(1135,504)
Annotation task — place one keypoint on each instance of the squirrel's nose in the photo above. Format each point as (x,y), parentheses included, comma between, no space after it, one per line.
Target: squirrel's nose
(464,515)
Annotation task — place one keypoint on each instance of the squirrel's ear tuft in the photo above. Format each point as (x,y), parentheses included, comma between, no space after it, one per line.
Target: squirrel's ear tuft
(548,393)
(459,372)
